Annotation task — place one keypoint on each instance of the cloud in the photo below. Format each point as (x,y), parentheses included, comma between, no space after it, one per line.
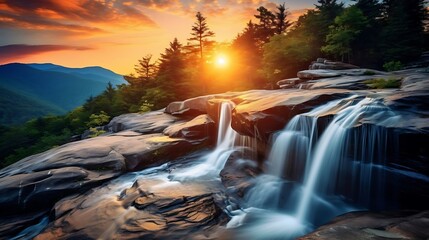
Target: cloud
(15,52)
(81,16)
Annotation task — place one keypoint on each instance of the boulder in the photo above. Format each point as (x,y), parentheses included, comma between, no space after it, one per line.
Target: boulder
(368,225)
(151,122)
(322,63)
(196,106)
(198,128)
(261,114)
(148,209)
(317,74)
(239,171)
(289,83)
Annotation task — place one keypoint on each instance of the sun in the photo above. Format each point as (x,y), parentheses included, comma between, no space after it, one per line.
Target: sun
(221,61)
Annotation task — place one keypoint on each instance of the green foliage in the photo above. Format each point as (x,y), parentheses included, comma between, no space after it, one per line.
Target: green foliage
(346,28)
(282,55)
(380,83)
(146,107)
(392,66)
(402,35)
(369,73)
(95,132)
(96,120)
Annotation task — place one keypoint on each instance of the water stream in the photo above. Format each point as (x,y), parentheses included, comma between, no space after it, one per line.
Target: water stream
(310,174)
(310,177)
(212,164)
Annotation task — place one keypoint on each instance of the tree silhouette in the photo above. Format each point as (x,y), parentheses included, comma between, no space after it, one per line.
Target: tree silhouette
(145,68)
(266,27)
(201,33)
(281,23)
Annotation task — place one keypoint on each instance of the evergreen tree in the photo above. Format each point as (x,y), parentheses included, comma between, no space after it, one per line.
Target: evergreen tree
(326,12)
(404,29)
(145,68)
(247,46)
(281,23)
(201,34)
(365,46)
(347,27)
(266,27)
(172,77)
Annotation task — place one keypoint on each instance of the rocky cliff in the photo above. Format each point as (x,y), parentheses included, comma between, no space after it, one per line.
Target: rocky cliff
(119,185)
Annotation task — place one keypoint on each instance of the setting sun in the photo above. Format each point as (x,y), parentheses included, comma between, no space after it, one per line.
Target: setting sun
(221,61)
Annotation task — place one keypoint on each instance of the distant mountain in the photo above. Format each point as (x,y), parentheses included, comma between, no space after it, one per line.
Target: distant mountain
(95,73)
(40,89)
(16,107)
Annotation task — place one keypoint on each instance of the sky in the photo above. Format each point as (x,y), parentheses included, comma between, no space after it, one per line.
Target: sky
(116,33)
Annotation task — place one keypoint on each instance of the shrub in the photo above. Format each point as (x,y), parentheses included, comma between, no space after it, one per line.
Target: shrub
(100,119)
(369,73)
(392,66)
(380,83)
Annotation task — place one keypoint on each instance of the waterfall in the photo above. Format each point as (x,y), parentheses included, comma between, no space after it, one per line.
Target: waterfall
(332,149)
(214,162)
(309,177)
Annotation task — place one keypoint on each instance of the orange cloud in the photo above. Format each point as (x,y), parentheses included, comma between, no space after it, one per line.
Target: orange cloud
(90,16)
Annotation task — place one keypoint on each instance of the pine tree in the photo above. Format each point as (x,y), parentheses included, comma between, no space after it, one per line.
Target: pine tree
(281,23)
(171,75)
(404,29)
(365,46)
(266,28)
(201,34)
(347,27)
(145,68)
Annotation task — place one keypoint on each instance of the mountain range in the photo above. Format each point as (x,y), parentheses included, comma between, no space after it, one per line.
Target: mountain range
(32,90)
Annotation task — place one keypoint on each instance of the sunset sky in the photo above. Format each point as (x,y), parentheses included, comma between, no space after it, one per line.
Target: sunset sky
(115,33)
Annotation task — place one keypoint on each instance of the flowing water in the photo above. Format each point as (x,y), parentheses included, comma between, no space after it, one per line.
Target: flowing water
(213,163)
(320,159)
(309,176)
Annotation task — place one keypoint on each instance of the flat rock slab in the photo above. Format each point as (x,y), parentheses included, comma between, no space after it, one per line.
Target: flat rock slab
(261,113)
(317,74)
(196,106)
(198,128)
(37,182)
(150,208)
(367,225)
(152,122)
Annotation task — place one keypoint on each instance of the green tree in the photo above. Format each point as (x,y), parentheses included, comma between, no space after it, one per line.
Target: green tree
(284,56)
(345,30)
(201,34)
(100,119)
(366,45)
(266,27)
(403,32)
(146,69)
(282,24)
(172,75)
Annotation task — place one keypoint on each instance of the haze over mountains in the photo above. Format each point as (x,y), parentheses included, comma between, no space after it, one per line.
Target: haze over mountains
(33,90)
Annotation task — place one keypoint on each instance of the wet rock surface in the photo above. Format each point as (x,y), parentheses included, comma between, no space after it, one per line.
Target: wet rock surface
(200,127)
(152,122)
(151,208)
(366,225)
(87,188)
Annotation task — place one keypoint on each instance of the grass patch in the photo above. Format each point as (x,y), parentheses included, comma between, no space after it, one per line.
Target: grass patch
(380,83)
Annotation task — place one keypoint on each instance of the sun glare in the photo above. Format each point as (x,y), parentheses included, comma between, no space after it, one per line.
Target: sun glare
(221,61)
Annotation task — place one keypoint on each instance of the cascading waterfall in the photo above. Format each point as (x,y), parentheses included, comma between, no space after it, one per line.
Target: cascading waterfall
(330,163)
(307,173)
(214,162)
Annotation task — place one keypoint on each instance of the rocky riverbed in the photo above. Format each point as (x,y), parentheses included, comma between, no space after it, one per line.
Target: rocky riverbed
(123,185)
